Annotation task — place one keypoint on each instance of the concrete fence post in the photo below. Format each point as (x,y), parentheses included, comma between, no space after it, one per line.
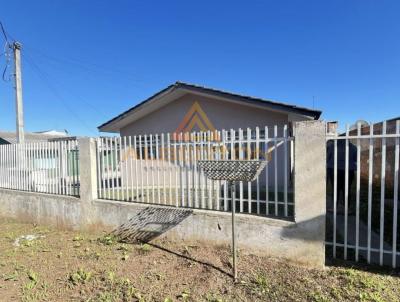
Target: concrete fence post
(310,182)
(88,177)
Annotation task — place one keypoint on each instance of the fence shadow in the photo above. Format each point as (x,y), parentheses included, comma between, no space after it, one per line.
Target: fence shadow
(150,223)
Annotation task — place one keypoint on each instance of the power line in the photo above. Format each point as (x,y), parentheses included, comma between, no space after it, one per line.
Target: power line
(7,56)
(44,77)
(93,107)
(76,62)
(6,52)
(54,90)
(92,67)
(4,32)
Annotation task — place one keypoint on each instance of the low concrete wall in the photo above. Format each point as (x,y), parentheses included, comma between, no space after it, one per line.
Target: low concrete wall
(298,242)
(266,236)
(60,211)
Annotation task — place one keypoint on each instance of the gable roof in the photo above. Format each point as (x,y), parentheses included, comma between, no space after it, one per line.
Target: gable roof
(112,124)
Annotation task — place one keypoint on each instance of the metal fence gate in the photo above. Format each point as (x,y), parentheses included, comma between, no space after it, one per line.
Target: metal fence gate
(363,194)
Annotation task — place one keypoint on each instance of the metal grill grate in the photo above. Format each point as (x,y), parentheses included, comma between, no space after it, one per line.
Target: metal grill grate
(232,170)
(238,170)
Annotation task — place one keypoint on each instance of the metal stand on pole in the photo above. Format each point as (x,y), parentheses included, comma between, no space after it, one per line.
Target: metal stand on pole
(232,171)
(233,192)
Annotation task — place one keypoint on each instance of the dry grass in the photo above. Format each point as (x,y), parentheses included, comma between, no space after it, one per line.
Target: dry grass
(71,266)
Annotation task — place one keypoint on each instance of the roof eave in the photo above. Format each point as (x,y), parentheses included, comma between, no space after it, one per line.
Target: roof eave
(111,125)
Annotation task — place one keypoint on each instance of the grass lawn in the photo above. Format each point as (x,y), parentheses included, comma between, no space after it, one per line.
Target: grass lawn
(73,266)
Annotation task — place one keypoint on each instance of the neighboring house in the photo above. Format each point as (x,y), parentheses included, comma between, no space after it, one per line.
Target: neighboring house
(364,157)
(7,137)
(185,107)
(62,133)
(377,159)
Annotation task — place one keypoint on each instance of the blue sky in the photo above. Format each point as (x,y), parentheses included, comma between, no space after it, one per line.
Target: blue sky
(86,61)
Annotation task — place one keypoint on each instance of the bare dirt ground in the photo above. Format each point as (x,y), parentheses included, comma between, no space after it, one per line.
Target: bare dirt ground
(72,266)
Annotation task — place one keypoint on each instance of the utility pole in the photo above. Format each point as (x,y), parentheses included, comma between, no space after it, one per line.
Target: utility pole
(18,91)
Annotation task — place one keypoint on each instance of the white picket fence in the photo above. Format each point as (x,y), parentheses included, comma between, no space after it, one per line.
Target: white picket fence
(46,167)
(362,216)
(162,169)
